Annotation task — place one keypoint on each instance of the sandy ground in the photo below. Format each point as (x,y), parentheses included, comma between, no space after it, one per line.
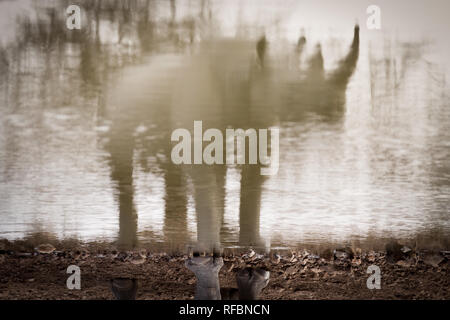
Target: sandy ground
(333,274)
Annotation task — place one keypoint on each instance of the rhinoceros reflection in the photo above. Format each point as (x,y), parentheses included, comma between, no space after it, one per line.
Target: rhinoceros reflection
(224,83)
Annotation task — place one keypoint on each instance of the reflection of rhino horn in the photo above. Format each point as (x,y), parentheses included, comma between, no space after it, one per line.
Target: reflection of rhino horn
(344,71)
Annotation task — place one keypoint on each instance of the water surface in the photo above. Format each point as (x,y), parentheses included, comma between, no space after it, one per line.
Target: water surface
(86,119)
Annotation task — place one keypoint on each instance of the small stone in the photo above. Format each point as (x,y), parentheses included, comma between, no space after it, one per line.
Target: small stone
(405,250)
(45,248)
(344,253)
(340,255)
(258,257)
(275,259)
(137,260)
(249,255)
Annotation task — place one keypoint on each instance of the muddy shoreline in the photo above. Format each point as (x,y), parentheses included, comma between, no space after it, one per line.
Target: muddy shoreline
(339,273)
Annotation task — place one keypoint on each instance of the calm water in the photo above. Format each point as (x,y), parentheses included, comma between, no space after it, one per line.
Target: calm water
(86,118)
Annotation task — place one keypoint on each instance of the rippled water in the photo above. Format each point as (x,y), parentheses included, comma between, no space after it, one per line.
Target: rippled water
(86,120)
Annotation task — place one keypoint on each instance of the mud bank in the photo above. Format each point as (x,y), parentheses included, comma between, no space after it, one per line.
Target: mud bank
(338,273)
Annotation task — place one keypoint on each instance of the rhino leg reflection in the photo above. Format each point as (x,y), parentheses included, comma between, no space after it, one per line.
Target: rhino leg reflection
(251,281)
(206,270)
(250,205)
(124,288)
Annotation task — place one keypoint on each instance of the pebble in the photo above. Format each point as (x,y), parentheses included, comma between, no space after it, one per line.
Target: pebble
(249,255)
(276,259)
(45,248)
(405,249)
(340,254)
(258,256)
(137,260)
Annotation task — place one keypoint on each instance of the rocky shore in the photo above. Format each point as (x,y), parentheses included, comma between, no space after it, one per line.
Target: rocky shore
(41,272)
